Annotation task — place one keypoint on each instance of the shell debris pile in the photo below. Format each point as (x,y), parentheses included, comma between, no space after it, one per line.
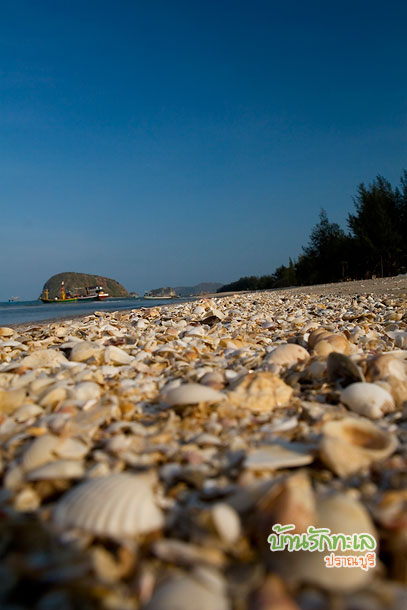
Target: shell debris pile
(145,455)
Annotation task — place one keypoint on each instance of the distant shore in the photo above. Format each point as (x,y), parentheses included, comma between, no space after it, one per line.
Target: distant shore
(391,285)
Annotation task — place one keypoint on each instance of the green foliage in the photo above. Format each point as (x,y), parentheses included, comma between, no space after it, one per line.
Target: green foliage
(376,227)
(376,244)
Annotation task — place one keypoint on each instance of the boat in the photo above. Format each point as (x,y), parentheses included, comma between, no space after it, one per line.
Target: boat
(65,297)
(150,297)
(14,299)
(94,294)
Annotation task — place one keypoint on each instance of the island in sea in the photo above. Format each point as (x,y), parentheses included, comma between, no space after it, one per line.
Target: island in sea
(79,284)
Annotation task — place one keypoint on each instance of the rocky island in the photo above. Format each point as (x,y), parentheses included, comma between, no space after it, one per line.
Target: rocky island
(76,283)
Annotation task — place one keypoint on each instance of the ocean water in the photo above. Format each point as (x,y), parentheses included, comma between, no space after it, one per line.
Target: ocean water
(35,311)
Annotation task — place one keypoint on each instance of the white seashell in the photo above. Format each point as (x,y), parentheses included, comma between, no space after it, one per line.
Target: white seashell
(71,449)
(191,393)
(199,310)
(287,355)
(84,351)
(118,506)
(52,397)
(227,522)
(45,358)
(59,469)
(87,390)
(195,331)
(6,332)
(26,412)
(272,457)
(367,399)
(352,444)
(116,355)
(40,451)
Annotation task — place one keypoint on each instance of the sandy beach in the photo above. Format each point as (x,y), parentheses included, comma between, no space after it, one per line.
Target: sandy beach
(148,456)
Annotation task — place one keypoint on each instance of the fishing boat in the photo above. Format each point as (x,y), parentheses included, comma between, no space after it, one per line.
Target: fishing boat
(65,297)
(94,294)
(150,297)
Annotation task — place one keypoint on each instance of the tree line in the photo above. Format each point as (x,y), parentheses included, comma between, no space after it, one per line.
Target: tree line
(375,244)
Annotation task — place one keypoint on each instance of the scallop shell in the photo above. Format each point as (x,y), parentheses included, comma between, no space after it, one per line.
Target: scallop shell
(191,393)
(351,444)
(367,399)
(117,506)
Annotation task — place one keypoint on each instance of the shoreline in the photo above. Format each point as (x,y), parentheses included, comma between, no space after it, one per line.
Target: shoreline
(392,285)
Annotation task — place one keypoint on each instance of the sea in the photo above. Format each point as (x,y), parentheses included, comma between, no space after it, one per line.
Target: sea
(36,311)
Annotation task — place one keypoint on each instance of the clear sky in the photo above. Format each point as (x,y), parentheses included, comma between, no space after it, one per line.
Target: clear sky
(169,142)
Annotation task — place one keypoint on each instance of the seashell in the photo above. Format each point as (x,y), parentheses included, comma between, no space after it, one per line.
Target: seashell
(352,444)
(84,351)
(116,355)
(27,500)
(385,366)
(342,370)
(59,469)
(287,355)
(226,522)
(71,449)
(273,457)
(317,335)
(399,337)
(288,501)
(117,506)
(340,514)
(52,397)
(260,392)
(315,371)
(367,399)
(332,343)
(10,400)
(87,390)
(6,332)
(191,393)
(176,551)
(44,358)
(177,593)
(40,451)
(214,380)
(26,412)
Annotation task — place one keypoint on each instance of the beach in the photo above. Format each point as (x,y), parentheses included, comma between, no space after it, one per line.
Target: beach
(149,455)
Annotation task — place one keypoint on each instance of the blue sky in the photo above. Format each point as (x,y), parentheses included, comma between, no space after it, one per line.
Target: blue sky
(173,142)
